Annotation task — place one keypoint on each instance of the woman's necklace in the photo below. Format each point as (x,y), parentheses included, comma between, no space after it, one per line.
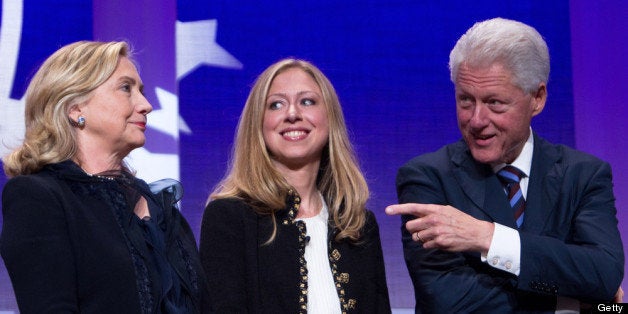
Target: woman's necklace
(100,177)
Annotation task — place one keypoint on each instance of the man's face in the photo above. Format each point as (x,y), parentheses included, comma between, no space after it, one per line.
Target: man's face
(493,114)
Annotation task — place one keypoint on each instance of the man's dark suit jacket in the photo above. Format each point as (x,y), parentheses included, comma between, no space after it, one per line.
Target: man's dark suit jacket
(570,244)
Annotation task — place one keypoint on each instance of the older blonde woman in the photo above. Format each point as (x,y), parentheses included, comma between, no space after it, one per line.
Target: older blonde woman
(286,230)
(81,233)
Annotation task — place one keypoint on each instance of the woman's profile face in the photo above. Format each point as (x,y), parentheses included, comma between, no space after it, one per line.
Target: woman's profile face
(115,113)
(296,127)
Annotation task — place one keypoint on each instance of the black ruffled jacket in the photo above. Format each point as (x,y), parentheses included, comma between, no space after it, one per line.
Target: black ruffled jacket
(70,244)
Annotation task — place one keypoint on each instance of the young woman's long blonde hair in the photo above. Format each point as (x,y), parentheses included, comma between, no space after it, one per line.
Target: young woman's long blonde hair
(66,78)
(253,177)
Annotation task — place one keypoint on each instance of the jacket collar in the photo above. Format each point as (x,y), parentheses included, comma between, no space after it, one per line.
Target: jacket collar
(480,184)
(545,182)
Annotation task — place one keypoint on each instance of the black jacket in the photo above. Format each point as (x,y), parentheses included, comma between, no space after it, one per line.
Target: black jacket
(66,245)
(248,276)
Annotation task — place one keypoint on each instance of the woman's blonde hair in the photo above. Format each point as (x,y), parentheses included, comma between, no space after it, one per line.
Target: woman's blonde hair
(65,79)
(253,177)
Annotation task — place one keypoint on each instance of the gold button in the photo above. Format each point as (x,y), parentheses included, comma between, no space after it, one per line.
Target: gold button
(352,303)
(343,278)
(335,254)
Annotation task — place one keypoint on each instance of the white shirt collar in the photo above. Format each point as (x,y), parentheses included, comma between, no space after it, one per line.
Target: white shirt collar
(524,161)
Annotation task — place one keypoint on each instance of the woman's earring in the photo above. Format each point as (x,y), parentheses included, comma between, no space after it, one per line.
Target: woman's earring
(80,121)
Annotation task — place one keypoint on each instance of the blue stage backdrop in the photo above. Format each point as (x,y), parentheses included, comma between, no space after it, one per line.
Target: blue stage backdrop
(387,59)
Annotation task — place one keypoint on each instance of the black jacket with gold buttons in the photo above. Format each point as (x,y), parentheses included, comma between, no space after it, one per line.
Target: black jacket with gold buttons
(246,275)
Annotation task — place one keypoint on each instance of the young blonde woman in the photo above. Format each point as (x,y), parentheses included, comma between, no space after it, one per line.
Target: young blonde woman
(287,231)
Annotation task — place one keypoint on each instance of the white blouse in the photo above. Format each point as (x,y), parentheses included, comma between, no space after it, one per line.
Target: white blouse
(322,296)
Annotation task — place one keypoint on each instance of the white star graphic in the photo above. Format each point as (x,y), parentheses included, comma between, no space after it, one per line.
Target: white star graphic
(162,119)
(196,45)
(12,111)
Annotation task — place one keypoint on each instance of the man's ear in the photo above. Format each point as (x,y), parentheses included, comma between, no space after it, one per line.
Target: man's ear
(538,99)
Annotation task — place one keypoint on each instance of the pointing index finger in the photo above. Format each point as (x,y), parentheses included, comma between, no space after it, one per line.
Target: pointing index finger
(410,209)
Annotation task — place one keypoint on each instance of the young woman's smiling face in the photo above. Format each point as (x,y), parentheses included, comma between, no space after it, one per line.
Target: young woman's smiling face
(296,126)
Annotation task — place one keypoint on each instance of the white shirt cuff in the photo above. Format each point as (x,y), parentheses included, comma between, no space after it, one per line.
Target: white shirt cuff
(505,250)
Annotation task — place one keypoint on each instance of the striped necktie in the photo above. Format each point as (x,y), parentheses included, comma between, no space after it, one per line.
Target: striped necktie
(510,177)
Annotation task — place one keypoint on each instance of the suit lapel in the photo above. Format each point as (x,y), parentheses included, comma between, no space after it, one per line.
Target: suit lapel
(543,187)
(482,187)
